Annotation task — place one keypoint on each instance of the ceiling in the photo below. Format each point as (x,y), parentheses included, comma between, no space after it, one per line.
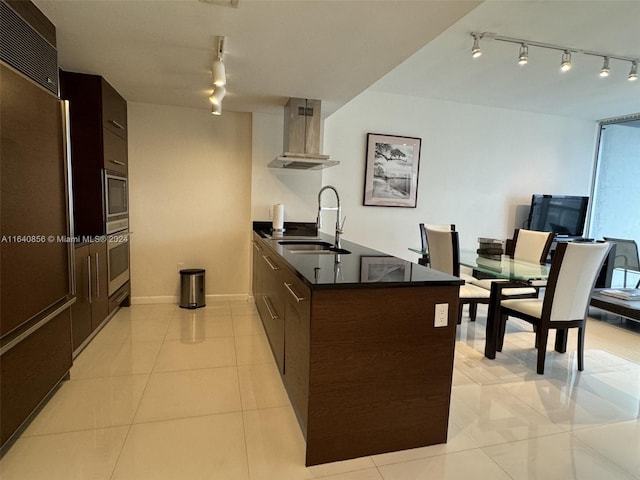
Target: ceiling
(444,69)
(161,51)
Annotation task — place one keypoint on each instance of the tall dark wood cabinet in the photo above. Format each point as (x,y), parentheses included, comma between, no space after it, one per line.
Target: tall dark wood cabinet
(98,143)
(98,124)
(35,253)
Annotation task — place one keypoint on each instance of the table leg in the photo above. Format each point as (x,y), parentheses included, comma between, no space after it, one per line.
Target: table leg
(493,321)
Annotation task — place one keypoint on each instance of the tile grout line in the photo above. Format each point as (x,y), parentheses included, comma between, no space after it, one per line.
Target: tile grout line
(131,424)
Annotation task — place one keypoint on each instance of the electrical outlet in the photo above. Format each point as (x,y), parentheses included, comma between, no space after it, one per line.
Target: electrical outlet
(180,266)
(442,315)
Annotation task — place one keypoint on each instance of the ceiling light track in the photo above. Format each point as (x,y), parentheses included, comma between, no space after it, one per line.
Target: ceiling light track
(523,56)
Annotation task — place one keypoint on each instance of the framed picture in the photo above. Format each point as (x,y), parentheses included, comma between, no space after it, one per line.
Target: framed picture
(384,269)
(391,174)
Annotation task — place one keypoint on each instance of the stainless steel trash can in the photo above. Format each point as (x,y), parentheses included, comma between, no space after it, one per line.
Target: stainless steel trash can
(192,288)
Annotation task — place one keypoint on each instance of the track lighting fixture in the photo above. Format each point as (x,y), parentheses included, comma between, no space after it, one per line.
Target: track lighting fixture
(523,56)
(219,76)
(475,50)
(604,71)
(633,74)
(565,66)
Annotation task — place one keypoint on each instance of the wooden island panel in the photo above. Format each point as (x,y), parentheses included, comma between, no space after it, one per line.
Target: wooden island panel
(380,372)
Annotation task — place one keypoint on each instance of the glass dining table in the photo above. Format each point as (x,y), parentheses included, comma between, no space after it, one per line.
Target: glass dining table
(513,274)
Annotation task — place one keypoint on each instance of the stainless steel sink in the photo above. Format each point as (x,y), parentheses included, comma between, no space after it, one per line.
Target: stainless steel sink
(313,247)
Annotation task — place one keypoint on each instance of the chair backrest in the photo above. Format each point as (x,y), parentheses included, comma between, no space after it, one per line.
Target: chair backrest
(423,232)
(532,246)
(444,251)
(626,254)
(572,277)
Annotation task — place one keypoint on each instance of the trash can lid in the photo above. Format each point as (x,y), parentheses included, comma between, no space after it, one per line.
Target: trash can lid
(191,271)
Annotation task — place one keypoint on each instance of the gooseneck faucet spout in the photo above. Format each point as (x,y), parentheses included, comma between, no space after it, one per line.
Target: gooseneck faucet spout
(337,208)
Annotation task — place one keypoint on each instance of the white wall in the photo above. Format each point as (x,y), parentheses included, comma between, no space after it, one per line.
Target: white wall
(190,200)
(478,166)
(297,190)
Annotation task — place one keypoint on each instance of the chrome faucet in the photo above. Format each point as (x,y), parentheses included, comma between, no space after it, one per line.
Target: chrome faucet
(337,208)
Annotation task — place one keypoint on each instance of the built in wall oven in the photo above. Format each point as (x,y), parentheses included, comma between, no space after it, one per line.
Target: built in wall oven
(116,198)
(117,254)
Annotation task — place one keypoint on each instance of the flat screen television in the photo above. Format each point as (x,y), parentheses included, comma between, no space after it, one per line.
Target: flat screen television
(562,214)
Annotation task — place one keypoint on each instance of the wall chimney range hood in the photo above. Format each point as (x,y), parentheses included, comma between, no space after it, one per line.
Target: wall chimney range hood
(302,137)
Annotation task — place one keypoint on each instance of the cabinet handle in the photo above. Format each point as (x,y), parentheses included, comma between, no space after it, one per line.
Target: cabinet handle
(268,304)
(89,275)
(273,267)
(97,275)
(117,162)
(121,297)
(116,124)
(295,295)
(256,245)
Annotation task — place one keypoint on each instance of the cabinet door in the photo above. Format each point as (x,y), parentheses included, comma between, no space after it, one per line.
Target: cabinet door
(297,325)
(115,152)
(257,273)
(81,310)
(114,111)
(99,284)
(272,299)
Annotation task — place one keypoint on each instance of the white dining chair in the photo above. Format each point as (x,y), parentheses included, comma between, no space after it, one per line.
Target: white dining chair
(572,277)
(529,246)
(444,252)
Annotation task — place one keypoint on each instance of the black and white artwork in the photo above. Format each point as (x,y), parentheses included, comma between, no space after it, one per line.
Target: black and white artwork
(391,176)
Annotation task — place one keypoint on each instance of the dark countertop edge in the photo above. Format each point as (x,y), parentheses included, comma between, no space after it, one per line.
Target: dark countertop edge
(259,229)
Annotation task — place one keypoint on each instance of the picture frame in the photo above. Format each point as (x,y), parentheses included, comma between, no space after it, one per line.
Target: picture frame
(391,173)
(375,269)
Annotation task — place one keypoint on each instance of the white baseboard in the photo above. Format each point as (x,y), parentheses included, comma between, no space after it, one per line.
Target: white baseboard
(235,297)
(155,299)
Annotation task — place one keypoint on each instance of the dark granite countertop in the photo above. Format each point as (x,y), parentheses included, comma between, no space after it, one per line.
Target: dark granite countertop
(363,267)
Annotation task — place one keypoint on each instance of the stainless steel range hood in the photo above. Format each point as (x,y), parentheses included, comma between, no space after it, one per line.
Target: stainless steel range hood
(302,137)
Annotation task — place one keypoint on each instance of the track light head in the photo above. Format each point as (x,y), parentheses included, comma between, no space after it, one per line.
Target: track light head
(604,71)
(216,109)
(633,74)
(523,58)
(475,50)
(217,95)
(565,66)
(219,73)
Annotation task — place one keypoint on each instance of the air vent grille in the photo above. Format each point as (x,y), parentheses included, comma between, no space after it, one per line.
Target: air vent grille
(26,50)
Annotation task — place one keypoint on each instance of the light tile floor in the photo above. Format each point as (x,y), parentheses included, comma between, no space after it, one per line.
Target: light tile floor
(167,393)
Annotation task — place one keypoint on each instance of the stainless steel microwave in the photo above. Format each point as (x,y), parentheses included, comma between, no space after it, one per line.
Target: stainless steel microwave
(116,196)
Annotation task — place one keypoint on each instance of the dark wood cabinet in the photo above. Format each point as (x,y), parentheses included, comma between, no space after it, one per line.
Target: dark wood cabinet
(365,367)
(114,111)
(269,299)
(297,321)
(92,304)
(98,143)
(30,371)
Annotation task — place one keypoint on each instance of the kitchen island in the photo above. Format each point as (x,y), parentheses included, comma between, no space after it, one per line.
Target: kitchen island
(365,364)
